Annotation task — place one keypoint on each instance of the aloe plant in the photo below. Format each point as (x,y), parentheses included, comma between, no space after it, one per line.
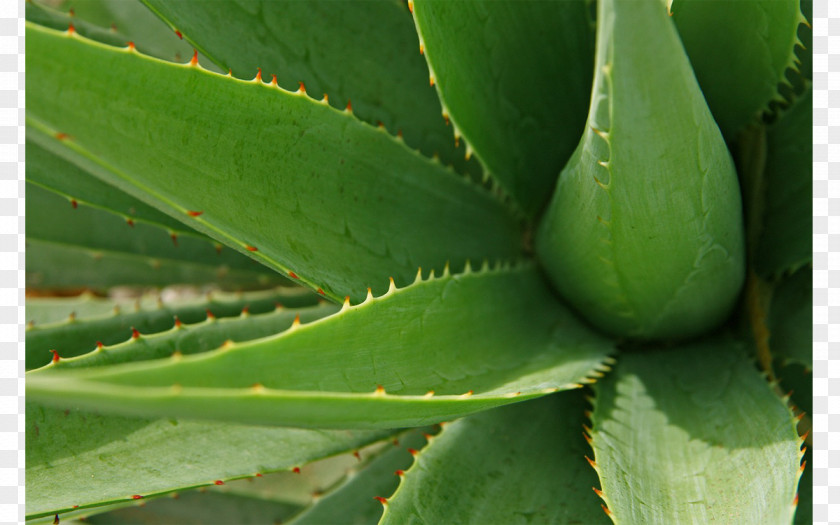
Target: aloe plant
(492,262)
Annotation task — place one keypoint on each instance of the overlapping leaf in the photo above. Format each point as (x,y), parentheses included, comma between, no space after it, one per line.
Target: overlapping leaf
(435,350)
(311,192)
(694,434)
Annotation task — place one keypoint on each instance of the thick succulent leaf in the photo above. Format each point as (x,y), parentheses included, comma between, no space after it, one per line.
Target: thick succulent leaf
(785,240)
(130,20)
(192,339)
(45,310)
(65,178)
(352,501)
(57,265)
(76,334)
(364,53)
(315,193)
(514,79)
(51,218)
(47,16)
(644,232)
(739,86)
(694,434)
(790,319)
(435,350)
(82,458)
(518,464)
(805,500)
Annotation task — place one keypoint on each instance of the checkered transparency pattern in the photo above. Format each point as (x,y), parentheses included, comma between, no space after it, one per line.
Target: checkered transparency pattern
(826,418)
(11,262)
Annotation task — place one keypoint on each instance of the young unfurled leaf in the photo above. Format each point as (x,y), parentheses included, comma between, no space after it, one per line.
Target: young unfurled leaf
(644,232)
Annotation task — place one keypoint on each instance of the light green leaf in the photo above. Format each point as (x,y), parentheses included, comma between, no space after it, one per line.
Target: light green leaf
(49,17)
(644,232)
(694,435)
(366,53)
(191,339)
(316,193)
(784,243)
(739,86)
(514,78)
(76,334)
(477,340)
(82,458)
(518,464)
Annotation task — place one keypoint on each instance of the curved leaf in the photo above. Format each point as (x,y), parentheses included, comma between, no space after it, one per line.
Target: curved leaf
(74,336)
(435,350)
(76,458)
(315,194)
(790,318)
(360,52)
(514,78)
(518,464)
(694,434)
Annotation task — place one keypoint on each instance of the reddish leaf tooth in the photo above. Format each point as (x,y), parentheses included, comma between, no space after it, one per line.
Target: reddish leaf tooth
(179,34)
(174,238)
(381,500)
(131,46)
(412,451)
(61,136)
(74,203)
(134,333)
(399,472)
(99,344)
(251,248)
(320,291)
(273,80)
(55,356)
(357,455)
(301,87)
(293,275)
(71,29)
(137,496)
(194,213)
(218,482)
(296,470)
(210,314)
(194,60)
(349,106)
(258,78)
(130,222)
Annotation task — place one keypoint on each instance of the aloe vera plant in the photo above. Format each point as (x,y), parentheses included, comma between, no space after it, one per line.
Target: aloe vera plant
(491,262)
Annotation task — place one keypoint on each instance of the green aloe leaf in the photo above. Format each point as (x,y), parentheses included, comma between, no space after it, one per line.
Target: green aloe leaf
(435,350)
(644,233)
(77,186)
(694,434)
(514,80)
(353,500)
(382,74)
(77,458)
(739,86)
(129,19)
(790,318)
(315,185)
(62,266)
(518,464)
(787,203)
(51,218)
(76,335)
(49,17)
(195,338)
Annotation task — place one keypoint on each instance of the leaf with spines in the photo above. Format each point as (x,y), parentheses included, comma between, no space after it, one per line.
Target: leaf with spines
(739,85)
(76,334)
(77,458)
(414,356)
(644,233)
(382,74)
(790,318)
(303,197)
(513,78)
(522,463)
(195,338)
(694,434)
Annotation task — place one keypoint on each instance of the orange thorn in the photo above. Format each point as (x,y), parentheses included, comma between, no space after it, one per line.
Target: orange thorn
(251,248)
(591,462)
(258,475)
(421,49)
(606,509)
(218,482)
(802,466)
(130,222)
(246,309)
(194,60)
(796,500)
(194,213)
(296,470)
(71,29)
(258,78)
(293,275)
(399,472)
(137,496)
(99,344)
(381,500)
(296,322)
(61,136)
(74,203)
(179,34)
(349,106)
(273,80)
(326,98)
(134,333)
(177,322)
(431,81)
(56,357)
(380,390)
(357,455)
(587,438)
(301,88)
(131,46)
(210,314)
(412,451)
(598,492)
(411,6)
(320,291)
